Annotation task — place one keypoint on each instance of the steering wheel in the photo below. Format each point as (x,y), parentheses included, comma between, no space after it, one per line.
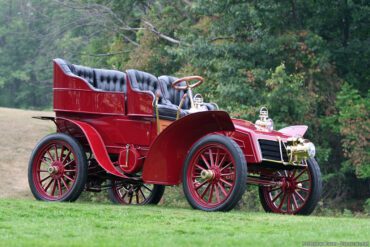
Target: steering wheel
(187,79)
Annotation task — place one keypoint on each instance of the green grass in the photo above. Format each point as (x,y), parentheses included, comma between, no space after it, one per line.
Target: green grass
(32,223)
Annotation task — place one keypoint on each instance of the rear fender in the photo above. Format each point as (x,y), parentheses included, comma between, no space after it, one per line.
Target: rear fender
(95,141)
(164,162)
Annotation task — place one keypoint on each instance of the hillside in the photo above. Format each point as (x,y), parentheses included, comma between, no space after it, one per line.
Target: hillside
(19,133)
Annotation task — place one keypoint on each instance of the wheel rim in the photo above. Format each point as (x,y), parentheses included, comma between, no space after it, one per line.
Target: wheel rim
(211,175)
(292,192)
(132,194)
(55,170)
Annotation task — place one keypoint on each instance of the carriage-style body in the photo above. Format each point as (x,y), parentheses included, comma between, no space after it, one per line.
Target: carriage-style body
(134,133)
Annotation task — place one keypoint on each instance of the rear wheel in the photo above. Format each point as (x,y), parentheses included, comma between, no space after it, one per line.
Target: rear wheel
(135,194)
(298,191)
(57,169)
(215,174)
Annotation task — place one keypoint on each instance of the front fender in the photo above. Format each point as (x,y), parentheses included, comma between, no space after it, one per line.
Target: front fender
(295,130)
(164,162)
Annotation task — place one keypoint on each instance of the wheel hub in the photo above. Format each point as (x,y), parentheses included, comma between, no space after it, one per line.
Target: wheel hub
(207,175)
(56,169)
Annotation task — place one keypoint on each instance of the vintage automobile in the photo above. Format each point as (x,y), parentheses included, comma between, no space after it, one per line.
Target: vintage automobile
(133,134)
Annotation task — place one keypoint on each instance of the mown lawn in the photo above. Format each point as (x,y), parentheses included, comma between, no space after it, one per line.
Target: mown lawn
(32,223)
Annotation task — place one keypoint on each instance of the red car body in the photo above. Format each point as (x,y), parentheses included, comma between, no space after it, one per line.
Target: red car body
(114,124)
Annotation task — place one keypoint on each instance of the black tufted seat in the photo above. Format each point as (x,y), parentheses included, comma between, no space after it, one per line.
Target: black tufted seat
(102,79)
(142,81)
(174,96)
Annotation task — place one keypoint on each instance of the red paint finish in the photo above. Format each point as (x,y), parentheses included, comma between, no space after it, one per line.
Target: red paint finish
(139,103)
(74,94)
(163,164)
(98,147)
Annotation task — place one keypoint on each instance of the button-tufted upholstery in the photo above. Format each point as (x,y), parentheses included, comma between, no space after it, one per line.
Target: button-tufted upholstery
(110,80)
(174,96)
(106,80)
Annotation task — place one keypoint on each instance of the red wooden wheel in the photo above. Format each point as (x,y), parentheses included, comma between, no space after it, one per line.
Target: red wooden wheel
(297,191)
(215,174)
(135,194)
(57,169)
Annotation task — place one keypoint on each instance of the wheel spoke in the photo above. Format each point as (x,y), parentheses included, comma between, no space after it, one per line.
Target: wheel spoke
(59,187)
(44,179)
(306,180)
(282,201)
(275,189)
(299,196)
(56,152)
(137,198)
(65,158)
(288,206)
(54,187)
(64,183)
(61,153)
(70,162)
(211,194)
(147,187)
(295,202)
(225,182)
(217,157)
(277,196)
(217,194)
(211,157)
(300,174)
(130,200)
(51,157)
(69,178)
(142,193)
(70,170)
(199,167)
(200,185)
(48,185)
(205,191)
(222,189)
(225,166)
(205,161)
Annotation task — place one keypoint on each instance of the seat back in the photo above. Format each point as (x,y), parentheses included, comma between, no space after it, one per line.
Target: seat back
(145,82)
(172,95)
(110,80)
(103,79)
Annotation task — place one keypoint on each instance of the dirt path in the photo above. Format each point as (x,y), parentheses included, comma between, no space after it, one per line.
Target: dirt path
(19,134)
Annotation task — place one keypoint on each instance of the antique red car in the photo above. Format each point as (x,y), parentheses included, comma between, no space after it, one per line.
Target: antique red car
(133,134)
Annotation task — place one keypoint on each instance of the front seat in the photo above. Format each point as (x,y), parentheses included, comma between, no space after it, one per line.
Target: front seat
(145,82)
(174,96)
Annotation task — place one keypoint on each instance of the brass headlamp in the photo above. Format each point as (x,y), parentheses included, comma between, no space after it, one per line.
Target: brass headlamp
(299,149)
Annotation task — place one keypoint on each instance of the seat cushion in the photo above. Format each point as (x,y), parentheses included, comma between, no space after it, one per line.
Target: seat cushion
(169,111)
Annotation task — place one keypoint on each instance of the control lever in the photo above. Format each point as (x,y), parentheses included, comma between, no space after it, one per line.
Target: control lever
(180,105)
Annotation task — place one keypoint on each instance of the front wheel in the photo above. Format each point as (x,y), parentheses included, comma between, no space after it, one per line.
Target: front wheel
(214,174)
(135,194)
(298,190)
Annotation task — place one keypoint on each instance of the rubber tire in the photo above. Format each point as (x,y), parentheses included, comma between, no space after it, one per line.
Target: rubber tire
(79,185)
(240,178)
(154,198)
(312,200)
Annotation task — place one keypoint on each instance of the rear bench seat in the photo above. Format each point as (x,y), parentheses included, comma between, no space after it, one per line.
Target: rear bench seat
(101,79)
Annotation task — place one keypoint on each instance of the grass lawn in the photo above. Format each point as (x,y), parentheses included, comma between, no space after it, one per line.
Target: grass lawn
(32,223)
